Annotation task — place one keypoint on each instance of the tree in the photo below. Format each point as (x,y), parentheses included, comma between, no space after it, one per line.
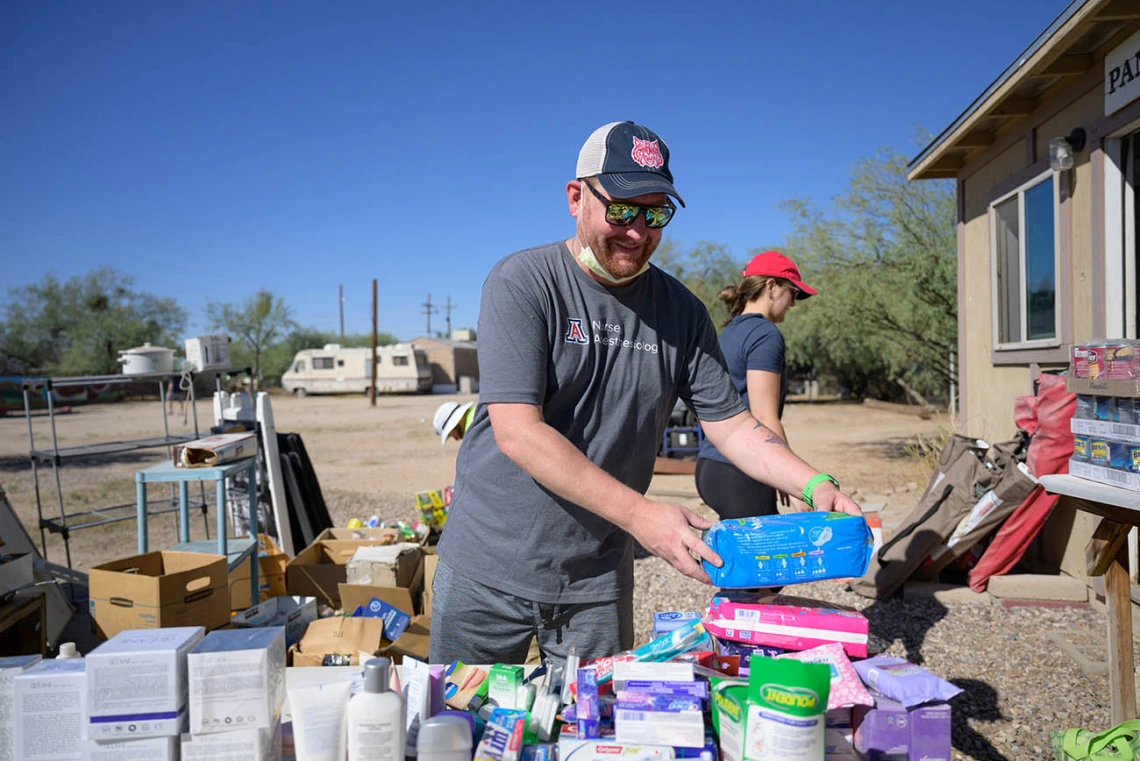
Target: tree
(79,326)
(257,323)
(704,269)
(884,259)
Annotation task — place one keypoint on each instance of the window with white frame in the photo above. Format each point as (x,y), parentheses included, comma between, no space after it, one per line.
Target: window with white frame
(1024,233)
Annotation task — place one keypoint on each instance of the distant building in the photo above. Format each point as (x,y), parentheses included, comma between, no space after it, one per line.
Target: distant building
(450,361)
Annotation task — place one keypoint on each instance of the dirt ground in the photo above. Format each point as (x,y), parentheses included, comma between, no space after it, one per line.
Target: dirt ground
(371,460)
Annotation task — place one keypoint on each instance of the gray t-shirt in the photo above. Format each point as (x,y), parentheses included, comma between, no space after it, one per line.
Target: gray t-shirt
(606,365)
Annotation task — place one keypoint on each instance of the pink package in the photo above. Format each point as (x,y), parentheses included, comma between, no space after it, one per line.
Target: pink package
(846,687)
(791,627)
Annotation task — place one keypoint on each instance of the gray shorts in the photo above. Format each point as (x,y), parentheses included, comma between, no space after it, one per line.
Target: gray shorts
(476,624)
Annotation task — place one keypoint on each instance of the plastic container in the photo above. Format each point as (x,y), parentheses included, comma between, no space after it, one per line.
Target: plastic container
(444,738)
(376,717)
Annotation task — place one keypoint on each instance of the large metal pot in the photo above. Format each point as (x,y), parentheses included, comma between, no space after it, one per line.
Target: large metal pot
(147,360)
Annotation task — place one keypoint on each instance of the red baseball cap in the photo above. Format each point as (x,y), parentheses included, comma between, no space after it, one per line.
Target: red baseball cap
(775,264)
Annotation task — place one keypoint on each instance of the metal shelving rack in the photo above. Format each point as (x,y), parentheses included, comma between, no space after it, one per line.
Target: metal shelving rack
(56,456)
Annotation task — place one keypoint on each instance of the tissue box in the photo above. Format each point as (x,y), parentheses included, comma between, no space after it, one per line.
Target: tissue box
(9,669)
(136,683)
(246,744)
(888,731)
(237,680)
(50,701)
(145,749)
(391,565)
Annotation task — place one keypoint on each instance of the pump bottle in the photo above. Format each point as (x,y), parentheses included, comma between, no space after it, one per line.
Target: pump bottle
(376,717)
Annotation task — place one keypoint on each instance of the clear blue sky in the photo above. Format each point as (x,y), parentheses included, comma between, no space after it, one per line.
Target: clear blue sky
(213,148)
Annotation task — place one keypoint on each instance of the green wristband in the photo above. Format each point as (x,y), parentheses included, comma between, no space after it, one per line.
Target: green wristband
(813,482)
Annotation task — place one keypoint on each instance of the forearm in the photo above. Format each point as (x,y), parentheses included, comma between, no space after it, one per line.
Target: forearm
(761,452)
(551,460)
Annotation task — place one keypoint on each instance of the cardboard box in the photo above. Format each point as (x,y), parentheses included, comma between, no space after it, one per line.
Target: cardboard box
(293,613)
(148,749)
(408,599)
(413,642)
(371,535)
(343,636)
(215,450)
(319,568)
(383,565)
(271,564)
(139,673)
(10,668)
(159,589)
(50,702)
(246,744)
(237,680)
(431,562)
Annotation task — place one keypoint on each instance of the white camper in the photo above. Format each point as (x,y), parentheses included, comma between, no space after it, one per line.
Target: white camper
(336,370)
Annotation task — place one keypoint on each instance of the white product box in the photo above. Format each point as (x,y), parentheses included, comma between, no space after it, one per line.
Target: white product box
(208,352)
(294,613)
(136,683)
(50,709)
(606,748)
(246,744)
(678,729)
(643,671)
(237,680)
(9,668)
(138,749)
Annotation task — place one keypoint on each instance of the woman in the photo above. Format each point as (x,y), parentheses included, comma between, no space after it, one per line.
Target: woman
(754,350)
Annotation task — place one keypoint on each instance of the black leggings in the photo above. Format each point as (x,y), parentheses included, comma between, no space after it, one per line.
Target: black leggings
(731,492)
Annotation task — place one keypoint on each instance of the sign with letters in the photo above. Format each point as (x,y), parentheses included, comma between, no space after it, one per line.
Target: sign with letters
(1122,75)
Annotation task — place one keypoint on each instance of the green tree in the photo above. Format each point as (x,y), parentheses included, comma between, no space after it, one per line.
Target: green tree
(79,326)
(256,324)
(704,269)
(884,258)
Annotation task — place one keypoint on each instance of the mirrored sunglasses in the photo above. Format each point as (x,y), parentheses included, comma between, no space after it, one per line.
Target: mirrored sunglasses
(624,214)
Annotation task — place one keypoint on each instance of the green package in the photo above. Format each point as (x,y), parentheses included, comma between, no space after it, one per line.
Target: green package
(1121,743)
(787,703)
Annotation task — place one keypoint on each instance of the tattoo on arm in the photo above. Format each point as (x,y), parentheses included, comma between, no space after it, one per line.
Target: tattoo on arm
(769,435)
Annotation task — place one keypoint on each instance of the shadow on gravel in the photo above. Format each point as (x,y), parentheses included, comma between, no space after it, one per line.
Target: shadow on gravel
(906,620)
(980,703)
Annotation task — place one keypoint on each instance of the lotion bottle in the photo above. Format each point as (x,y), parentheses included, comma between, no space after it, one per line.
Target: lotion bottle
(376,717)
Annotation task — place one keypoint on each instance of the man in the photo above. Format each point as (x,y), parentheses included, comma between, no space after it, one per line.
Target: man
(583,350)
(451,420)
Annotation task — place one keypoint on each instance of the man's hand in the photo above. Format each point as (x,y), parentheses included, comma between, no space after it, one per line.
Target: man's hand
(667,532)
(828,498)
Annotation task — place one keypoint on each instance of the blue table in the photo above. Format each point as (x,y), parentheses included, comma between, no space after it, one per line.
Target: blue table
(167,473)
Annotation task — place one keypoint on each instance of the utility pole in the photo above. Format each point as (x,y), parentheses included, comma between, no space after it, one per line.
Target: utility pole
(341,300)
(429,310)
(448,310)
(373,373)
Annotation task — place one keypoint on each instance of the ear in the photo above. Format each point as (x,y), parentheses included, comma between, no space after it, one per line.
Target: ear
(574,197)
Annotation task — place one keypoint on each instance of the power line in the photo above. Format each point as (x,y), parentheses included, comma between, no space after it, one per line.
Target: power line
(429,309)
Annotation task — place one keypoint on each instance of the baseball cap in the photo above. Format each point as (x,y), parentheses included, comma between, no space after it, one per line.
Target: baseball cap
(628,160)
(775,264)
(447,416)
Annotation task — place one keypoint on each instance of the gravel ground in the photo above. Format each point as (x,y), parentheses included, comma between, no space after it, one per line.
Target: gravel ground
(1018,684)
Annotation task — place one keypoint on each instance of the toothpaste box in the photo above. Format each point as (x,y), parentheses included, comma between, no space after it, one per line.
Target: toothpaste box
(237,680)
(665,622)
(9,668)
(791,627)
(646,671)
(245,744)
(606,748)
(503,737)
(659,720)
(50,711)
(696,689)
(589,708)
(888,731)
(137,749)
(136,683)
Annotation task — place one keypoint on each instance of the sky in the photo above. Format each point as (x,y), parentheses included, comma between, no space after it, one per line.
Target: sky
(211,149)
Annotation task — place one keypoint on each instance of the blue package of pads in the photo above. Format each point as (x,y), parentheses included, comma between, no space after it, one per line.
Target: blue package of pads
(777,550)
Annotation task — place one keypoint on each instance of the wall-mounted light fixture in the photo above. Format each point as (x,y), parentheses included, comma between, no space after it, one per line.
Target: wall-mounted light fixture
(1062,149)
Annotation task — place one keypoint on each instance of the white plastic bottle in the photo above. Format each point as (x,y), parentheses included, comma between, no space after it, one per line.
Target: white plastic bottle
(67,650)
(376,717)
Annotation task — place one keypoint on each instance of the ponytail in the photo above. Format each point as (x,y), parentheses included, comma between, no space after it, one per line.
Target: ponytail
(737,295)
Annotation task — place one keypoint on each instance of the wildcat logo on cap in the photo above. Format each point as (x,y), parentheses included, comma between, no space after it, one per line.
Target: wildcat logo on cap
(647,153)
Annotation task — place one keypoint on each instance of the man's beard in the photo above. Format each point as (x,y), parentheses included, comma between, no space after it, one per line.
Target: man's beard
(619,265)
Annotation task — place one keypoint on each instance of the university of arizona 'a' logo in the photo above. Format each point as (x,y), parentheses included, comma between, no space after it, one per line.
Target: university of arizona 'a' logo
(574,332)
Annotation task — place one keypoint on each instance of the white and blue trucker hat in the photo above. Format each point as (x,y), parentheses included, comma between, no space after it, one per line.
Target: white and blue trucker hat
(628,160)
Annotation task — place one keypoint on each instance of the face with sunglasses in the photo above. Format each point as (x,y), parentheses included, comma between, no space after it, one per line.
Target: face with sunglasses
(622,233)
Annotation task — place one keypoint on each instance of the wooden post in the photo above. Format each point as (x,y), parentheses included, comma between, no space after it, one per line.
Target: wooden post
(373,373)
(1121,665)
